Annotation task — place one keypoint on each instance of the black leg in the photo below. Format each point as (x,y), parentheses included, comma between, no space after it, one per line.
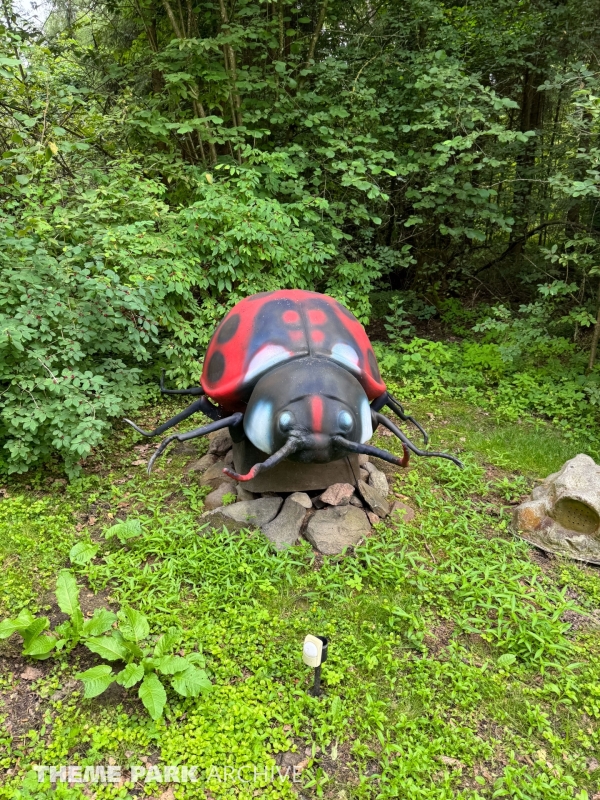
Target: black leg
(386,399)
(197,405)
(234,419)
(194,390)
(381,420)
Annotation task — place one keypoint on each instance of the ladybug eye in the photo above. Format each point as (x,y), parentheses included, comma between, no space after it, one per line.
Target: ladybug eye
(286,420)
(345,421)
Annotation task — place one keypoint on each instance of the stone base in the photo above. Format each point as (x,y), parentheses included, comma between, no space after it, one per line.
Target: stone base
(291,476)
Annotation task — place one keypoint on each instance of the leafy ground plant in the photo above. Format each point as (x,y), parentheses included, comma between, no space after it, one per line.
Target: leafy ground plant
(120,637)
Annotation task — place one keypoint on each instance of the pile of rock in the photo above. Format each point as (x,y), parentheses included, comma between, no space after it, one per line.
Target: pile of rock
(331,520)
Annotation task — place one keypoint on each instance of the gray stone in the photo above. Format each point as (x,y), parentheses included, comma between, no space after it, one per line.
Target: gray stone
(228,458)
(364,475)
(338,494)
(220,442)
(302,498)
(215,499)
(377,479)
(214,476)
(244,494)
(563,516)
(355,501)
(318,503)
(202,464)
(292,476)
(402,511)
(285,528)
(362,460)
(374,499)
(185,449)
(333,529)
(255,513)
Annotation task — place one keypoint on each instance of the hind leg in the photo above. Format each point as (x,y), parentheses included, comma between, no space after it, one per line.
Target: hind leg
(386,399)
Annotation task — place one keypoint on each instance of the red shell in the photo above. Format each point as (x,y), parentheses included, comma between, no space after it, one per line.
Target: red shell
(270,328)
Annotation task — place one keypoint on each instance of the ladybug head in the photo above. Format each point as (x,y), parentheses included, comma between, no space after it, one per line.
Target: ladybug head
(302,410)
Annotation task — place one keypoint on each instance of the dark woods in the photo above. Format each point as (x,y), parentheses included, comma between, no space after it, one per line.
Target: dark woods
(162,159)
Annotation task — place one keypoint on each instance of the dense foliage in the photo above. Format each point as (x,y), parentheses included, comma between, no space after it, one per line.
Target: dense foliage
(161,160)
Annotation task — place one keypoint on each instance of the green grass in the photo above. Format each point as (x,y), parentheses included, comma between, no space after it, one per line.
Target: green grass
(454,670)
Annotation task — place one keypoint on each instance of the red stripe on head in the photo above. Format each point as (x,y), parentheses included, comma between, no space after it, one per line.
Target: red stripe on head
(316,410)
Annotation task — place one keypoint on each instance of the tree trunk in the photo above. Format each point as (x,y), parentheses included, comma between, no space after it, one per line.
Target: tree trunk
(595,336)
(532,111)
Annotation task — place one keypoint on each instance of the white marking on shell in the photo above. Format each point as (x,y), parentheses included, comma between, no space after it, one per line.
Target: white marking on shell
(258,426)
(345,355)
(267,357)
(366,426)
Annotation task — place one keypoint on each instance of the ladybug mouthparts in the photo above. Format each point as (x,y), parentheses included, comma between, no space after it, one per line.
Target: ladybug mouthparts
(293,372)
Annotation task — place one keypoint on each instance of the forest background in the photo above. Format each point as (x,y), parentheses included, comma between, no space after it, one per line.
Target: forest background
(434,166)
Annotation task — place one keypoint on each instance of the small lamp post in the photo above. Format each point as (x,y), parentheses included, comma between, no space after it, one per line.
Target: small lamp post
(314,653)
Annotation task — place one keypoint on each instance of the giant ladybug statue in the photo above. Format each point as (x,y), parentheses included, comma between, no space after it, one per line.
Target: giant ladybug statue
(295,373)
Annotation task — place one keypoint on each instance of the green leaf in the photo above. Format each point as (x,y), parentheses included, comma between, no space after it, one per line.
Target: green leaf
(99,623)
(191,682)
(153,696)
(132,674)
(133,624)
(96,680)
(33,631)
(506,660)
(167,642)
(109,647)
(82,552)
(20,623)
(40,646)
(124,530)
(67,593)
(170,665)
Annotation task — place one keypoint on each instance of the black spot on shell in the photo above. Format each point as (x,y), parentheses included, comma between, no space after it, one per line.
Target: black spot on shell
(228,329)
(373,365)
(216,367)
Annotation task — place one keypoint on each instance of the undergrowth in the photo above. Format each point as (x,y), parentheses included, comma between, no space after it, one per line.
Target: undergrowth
(459,665)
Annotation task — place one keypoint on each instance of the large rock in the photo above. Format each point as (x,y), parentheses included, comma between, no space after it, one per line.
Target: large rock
(302,498)
(215,499)
(249,513)
(563,515)
(331,530)
(404,512)
(202,464)
(374,499)
(284,530)
(377,479)
(214,475)
(338,494)
(219,442)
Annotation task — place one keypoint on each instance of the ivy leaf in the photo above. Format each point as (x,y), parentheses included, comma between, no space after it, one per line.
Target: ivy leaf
(133,624)
(109,647)
(96,680)
(132,674)
(99,623)
(82,552)
(153,696)
(191,682)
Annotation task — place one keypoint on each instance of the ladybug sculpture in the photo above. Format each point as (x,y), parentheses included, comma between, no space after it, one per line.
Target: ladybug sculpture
(295,373)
